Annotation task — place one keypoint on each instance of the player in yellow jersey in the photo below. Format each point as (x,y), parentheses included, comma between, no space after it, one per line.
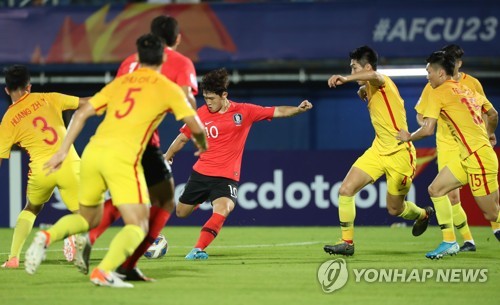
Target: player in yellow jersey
(385,157)
(135,104)
(34,122)
(461,109)
(448,149)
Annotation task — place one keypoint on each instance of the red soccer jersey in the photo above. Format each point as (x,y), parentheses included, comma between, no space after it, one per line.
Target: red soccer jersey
(227,133)
(178,68)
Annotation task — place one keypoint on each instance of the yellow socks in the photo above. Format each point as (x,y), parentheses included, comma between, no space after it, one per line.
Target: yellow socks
(121,247)
(412,211)
(347,213)
(460,222)
(495,226)
(442,205)
(24,224)
(66,226)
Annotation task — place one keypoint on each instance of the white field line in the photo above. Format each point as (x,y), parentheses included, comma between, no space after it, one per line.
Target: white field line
(304,243)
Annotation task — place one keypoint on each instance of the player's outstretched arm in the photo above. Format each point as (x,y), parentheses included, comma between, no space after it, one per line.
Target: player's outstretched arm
(373,77)
(363,95)
(188,91)
(491,125)
(82,101)
(175,147)
(199,137)
(420,119)
(288,111)
(75,127)
(427,129)
(336,80)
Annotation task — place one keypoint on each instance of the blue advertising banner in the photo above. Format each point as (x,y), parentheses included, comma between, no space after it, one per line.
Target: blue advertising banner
(293,188)
(236,32)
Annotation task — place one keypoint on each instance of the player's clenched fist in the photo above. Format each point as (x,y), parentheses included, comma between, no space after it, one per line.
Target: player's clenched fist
(336,80)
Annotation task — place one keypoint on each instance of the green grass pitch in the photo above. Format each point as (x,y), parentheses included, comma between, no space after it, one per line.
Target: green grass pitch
(263,265)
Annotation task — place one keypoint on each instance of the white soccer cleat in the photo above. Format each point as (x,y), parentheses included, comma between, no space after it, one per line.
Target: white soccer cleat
(69,248)
(110,279)
(82,254)
(36,252)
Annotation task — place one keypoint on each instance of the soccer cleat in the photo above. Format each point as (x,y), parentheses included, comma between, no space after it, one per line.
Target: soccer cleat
(341,247)
(196,254)
(36,252)
(420,225)
(497,234)
(69,248)
(110,279)
(82,255)
(444,248)
(11,263)
(468,247)
(133,275)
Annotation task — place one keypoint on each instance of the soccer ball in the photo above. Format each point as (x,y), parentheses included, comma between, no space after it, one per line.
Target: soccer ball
(158,249)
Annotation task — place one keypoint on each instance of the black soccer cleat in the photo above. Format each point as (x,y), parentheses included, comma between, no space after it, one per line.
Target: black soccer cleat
(497,234)
(468,247)
(421,225)
(134,275)
(341,248)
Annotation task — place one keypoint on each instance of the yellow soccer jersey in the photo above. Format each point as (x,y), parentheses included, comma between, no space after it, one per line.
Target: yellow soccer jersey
(461,110)
(388,116)
(471,82)
(35,123)
(135,104)
(444,138)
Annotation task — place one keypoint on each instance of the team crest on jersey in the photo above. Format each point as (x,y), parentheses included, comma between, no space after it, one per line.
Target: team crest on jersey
(237,118)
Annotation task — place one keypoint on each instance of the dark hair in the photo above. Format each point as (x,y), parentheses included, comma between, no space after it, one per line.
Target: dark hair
(365,55)
(454,50)
(150,49)
(444,60)
(167,28)
(16,77)
(215,81)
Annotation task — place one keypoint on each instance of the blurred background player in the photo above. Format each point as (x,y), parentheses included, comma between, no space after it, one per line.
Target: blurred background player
(34,122)
(135,104)
(461,109)
(216,174)
(179,69)
(448,149)
(385,157)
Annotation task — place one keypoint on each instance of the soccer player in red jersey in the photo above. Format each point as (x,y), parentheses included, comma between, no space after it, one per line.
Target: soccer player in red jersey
(179,69)
(216,174)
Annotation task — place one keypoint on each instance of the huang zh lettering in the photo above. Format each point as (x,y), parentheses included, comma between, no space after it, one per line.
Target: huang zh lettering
(19,116)
(37,105)
(131,79)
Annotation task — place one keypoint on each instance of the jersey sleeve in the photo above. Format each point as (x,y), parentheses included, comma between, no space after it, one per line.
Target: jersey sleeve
(486,104)
(258,113)
(423,101)
(186,131)
(187,77)
(63,101)
(129,65)
(101,99)
(478,87)
(6,142)
(178,103)
(433,108)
